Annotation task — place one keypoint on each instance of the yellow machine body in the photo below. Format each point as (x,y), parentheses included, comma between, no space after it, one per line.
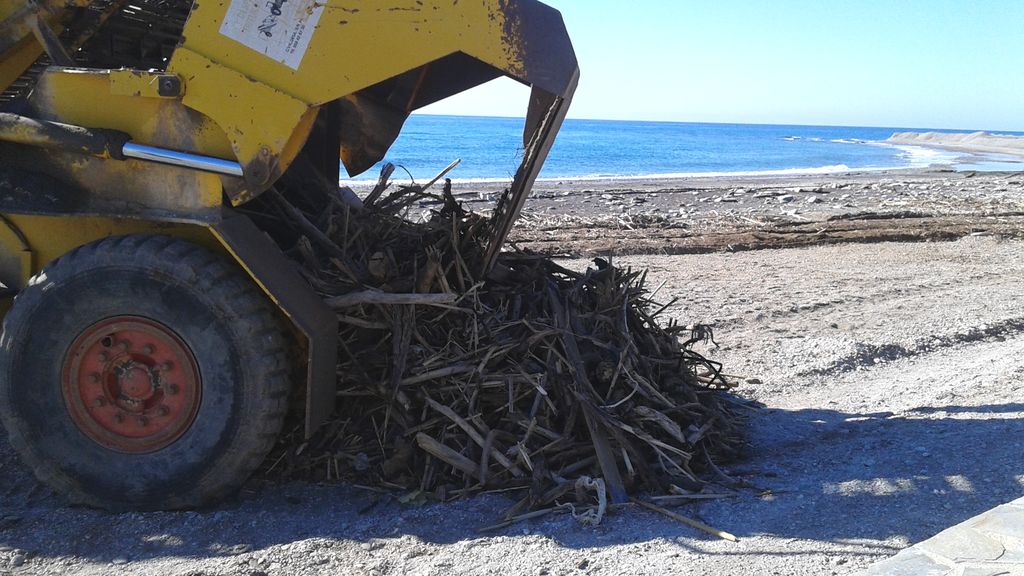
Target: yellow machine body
(244,83)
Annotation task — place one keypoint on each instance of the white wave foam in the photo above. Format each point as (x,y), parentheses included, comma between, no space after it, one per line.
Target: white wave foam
(361,183)
(919,157)
(832,169)
(818,170)
(911,157)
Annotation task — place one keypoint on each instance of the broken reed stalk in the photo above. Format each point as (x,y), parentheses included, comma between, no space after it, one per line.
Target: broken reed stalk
(688,521)
(386,298)
(531,377)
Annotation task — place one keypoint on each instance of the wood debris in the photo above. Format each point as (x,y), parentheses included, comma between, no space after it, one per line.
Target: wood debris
(453,380)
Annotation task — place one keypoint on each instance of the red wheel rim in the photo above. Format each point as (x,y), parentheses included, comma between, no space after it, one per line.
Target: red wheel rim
(131,384)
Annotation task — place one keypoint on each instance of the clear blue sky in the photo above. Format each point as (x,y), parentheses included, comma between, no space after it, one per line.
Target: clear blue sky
(909,63)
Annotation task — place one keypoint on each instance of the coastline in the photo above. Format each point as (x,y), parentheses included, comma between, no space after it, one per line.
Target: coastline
(642,180)
(963,163)
(972,143)
(699,215)
(701,155)
(749,211)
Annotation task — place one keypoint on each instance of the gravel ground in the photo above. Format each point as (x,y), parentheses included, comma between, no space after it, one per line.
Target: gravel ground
(733,214)
(892,377)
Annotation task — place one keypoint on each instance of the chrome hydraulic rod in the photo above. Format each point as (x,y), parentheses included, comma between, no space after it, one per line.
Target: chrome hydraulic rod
(184,159)
(103,144)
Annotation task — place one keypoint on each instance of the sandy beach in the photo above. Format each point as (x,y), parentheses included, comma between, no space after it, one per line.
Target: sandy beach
(696,215)
(875,316)
(721,214)
(511,288)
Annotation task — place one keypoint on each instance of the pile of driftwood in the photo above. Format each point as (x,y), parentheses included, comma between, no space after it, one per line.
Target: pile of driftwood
(531,376)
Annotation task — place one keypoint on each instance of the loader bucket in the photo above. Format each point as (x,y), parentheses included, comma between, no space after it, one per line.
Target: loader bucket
(380,60)
(540,55)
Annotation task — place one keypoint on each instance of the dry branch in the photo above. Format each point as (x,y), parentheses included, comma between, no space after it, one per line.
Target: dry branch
(385,298)
(534,377)
(688,521)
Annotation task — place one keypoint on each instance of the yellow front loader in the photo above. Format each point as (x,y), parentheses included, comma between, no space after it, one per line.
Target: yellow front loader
(153,332)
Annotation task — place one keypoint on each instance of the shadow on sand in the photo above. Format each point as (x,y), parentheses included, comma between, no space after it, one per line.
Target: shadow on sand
(827,476)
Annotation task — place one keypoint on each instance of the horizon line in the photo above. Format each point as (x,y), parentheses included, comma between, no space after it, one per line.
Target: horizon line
(968,130)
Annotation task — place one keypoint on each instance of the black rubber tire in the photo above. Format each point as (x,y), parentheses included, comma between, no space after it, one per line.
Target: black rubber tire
(215,309)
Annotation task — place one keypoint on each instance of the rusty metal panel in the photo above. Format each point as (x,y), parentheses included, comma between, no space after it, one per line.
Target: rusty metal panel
(542,129)
(278,277)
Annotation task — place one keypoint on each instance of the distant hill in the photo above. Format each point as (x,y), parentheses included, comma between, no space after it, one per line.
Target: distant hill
(964,141)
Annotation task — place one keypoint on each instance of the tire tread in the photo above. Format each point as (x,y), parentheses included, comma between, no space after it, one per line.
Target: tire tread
(252,318)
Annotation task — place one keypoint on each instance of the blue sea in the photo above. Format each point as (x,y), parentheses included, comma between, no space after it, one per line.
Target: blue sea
(490,150)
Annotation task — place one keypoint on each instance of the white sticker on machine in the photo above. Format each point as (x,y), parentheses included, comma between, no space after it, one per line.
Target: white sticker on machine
(280,29)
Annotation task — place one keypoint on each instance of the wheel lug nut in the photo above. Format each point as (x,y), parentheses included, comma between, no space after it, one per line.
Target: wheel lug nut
(163,410)
(94,378)
(100,402)
(166,366)
(142,420)
(104,357)
(124,345)
(148,349)
(172,389)
(119,417)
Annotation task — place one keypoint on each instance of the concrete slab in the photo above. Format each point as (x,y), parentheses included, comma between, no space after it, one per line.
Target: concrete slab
(990,544)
